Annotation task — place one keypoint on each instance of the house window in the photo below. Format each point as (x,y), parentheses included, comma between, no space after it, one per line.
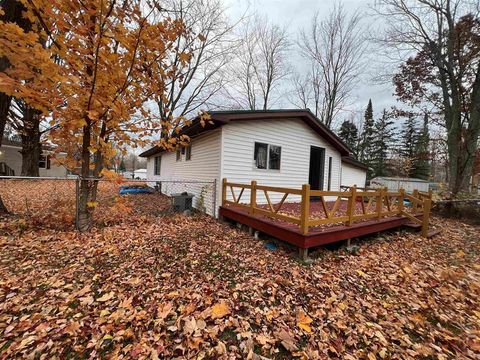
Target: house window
(44,162)
(157,165)
(329,173)
(267,156)
(179,155)
(188,152)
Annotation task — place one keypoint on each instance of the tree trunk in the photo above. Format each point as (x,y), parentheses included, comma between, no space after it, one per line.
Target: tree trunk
(86,200)
(31,147)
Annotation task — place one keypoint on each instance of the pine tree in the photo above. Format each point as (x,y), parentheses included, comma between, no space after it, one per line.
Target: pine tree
(382,144)
(409,137)
(421,165)
(348,132)
(366,147)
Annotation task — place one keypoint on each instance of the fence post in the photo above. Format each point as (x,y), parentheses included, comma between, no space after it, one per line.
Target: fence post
(379,201)
(77,195)
(214,200)
(401,199)
(305,208)
(351,204)
(224,191)
(427,204)
(253,196)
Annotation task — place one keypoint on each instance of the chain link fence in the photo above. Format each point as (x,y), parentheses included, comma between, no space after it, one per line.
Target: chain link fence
(204,192)
(52,202)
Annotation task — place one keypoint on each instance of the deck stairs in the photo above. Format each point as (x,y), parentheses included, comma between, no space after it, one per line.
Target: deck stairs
(417,227)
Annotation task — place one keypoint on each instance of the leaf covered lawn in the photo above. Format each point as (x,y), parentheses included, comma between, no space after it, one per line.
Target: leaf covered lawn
(190,287)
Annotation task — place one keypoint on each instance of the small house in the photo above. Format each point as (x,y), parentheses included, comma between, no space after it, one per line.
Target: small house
(283,148)
(11,161)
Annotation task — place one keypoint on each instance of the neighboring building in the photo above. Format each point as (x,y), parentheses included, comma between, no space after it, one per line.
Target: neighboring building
(140,174)
(284,148)
(396,183)
(11,161)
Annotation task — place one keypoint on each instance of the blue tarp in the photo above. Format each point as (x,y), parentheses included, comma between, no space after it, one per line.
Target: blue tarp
(134,189)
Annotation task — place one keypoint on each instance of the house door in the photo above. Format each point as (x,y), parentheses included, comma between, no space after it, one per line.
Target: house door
(317,168)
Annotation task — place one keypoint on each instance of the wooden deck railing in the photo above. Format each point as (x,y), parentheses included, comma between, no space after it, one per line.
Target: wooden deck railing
(374,204)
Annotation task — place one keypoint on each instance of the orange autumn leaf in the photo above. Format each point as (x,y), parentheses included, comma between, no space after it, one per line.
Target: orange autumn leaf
(304,321)
(220,309)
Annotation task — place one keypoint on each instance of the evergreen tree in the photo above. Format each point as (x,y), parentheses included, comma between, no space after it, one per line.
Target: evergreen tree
(366,147)
(382,143)
(348,132)
(421,165)
(409,137)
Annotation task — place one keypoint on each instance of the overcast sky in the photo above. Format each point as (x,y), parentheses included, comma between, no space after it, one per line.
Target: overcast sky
(297,14)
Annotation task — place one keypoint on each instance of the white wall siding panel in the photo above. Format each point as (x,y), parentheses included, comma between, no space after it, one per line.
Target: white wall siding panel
(204,165)
(352,175)
(13,158)
(295,138)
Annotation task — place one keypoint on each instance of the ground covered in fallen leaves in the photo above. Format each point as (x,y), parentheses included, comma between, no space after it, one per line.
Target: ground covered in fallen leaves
(157,285)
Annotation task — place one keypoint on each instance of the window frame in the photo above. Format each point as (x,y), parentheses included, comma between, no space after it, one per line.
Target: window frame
(267,168)
(188,153)
(157,167)
(45,159)
(179,155)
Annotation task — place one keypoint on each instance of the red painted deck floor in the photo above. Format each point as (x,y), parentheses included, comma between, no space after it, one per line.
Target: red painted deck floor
(317,235)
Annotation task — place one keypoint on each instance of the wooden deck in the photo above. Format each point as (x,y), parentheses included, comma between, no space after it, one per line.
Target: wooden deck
(315,236)
(315,221)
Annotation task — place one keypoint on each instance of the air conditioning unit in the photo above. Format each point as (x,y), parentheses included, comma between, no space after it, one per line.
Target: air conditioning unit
(182,201)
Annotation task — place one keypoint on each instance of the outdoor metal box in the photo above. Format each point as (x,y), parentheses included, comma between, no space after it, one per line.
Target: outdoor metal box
(182,201)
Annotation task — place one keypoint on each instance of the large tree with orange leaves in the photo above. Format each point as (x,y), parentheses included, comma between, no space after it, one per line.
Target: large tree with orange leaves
(93,79)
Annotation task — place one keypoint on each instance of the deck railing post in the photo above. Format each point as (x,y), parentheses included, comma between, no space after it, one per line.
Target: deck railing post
(379,201)
(305,208)
(253,197)
(401,199)
(427,204)
(351,204)
(224,191)
(415,204)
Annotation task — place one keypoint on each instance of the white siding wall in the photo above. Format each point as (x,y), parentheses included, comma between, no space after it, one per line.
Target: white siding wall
(12,157)
(295,138)
(203,166)
(352,175)
(395,184)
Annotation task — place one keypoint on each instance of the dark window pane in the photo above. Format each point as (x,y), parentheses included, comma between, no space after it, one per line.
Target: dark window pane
(188,153)
(274,159)
(157,163)
(42,162)
(178,155)
(260,155)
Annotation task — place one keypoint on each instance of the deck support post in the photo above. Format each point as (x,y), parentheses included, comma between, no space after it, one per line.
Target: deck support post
(253,197)
(349,242)
(303,253)
(305,209)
